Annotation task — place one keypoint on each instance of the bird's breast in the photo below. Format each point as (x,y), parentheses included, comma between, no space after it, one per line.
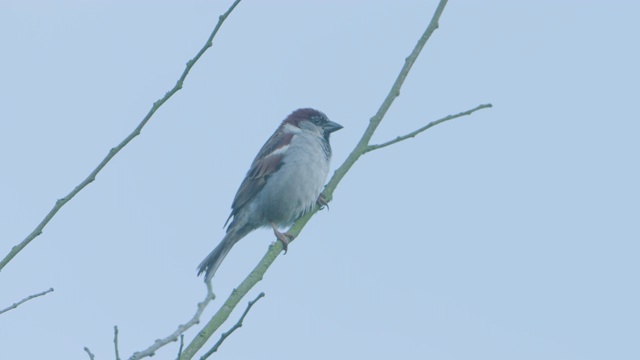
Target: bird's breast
(294,188)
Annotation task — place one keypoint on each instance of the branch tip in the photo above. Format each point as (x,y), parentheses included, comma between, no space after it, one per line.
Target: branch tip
(91,356)
(15,305)
(428,126)
(257,273)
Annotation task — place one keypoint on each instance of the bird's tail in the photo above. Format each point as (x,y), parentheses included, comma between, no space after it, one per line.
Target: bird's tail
(211,263)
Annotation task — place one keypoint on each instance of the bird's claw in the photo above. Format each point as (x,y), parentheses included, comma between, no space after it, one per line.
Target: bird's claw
(322,202)
(286,238)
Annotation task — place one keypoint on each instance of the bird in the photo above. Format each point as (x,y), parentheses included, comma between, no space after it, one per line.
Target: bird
(284,182)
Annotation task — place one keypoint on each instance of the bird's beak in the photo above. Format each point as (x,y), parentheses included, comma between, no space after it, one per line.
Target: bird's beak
(330,126)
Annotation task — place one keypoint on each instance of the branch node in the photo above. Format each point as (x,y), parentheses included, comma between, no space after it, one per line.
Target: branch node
(235,327)
(429,125)
(15,305)
(37,231)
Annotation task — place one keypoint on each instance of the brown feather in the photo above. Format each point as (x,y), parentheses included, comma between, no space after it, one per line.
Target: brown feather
(263,166)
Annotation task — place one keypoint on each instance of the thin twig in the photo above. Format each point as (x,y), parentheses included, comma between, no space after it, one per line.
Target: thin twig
(15,305)
(429,125)
(151,350)
(375,121)
(233,328)
(92,176)
(274,250)
(115,341)
(91,356)
(181,346)
(232,301)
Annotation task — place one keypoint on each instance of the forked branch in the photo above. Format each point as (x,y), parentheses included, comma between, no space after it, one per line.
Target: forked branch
(428,126)
(361,148)
(151,350)
(235,327)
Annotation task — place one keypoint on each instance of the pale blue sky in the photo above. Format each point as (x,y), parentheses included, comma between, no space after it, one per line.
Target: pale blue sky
(511,234)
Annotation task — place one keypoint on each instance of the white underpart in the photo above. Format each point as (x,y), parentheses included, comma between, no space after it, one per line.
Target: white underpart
(294,188)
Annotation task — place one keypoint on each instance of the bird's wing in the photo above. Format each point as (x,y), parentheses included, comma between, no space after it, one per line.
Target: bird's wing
(267,162)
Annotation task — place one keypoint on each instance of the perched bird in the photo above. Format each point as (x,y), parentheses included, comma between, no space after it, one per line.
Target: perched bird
(283,182)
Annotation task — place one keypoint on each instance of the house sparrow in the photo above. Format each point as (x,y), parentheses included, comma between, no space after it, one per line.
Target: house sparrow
(283,182)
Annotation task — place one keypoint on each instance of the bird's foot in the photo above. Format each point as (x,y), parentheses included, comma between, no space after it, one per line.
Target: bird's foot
(286,238)
(322,202)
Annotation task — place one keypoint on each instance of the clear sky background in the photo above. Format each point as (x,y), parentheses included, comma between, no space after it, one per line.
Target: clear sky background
(510,234)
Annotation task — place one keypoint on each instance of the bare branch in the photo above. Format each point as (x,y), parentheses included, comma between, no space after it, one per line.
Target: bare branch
(15,305)
(233,328)
(92,176)
(151,350)
(274,250)
(232,301)
(181,346)
(115,341)
(91,356)
(429,125)
(361,147)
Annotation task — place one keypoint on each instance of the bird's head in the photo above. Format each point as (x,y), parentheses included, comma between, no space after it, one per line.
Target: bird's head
(311,120)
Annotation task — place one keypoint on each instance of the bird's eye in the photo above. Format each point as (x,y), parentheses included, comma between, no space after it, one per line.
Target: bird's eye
(315,120)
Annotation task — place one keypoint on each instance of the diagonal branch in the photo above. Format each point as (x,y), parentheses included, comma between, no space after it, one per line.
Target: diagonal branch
(114,151)
(429,125)
(274,250)
(233,328)
(361,147)
(232,301)
(15,305)
(151,350)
